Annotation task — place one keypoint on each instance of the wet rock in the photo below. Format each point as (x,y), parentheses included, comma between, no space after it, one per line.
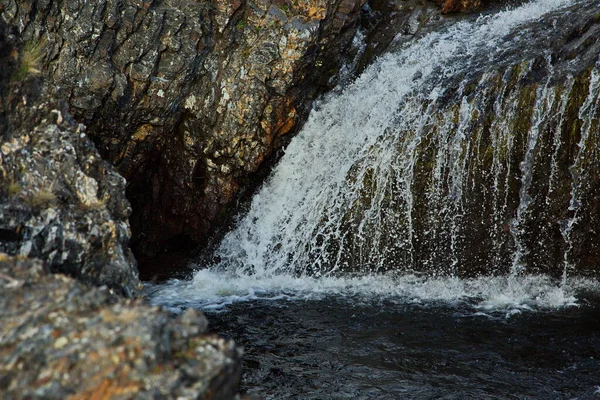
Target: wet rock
(467,6)
(186,98)
(61,339)
(385,23)
(59,201)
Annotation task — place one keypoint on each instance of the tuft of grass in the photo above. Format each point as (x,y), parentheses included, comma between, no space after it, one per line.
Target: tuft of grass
(43,198)
(29,61)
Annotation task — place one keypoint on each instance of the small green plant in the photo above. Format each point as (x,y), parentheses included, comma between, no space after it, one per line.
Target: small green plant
(29,61)
(241,24)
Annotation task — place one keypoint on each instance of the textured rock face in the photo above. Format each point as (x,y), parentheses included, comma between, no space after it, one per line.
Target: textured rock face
(186,98)
(88,343)
(59,201)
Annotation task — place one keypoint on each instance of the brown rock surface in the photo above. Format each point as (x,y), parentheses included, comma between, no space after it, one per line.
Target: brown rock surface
(186,98)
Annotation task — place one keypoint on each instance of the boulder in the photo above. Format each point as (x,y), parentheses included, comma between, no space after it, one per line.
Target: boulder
(61,339)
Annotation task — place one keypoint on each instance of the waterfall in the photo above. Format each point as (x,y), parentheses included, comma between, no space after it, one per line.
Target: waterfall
(447,158)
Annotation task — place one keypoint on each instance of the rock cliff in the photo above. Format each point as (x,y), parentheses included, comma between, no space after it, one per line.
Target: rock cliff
(59,201)
(186,98)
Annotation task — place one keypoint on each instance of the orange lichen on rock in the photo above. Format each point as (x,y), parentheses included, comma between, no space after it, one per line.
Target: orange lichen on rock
(451,6)
(281,118)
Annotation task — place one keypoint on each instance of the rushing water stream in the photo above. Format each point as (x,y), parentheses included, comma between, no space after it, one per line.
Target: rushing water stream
(431,231)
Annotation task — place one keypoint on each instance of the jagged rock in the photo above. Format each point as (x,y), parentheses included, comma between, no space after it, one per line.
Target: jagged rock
(186,98)
(59,201)
(60,339)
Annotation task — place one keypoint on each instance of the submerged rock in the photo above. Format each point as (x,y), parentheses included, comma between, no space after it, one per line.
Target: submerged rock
(61,339)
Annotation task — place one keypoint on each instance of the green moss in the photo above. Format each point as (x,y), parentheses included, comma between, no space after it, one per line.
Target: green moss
(522,122)
(13,189)
(240,25)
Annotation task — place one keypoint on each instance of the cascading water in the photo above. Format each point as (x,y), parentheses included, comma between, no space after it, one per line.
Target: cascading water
(444,172)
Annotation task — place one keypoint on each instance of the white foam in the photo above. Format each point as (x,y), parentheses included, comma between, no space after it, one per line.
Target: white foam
(213,290)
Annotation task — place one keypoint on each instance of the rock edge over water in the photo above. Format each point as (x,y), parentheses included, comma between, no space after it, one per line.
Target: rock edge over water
(61,339)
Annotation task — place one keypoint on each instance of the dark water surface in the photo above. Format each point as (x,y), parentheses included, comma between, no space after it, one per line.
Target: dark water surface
(336,349)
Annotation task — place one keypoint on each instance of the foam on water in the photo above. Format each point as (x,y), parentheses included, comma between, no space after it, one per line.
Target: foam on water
(211,290)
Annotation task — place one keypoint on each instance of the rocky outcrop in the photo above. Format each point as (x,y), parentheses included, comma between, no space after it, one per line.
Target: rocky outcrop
(60,339)
(59,201)
(186,98)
